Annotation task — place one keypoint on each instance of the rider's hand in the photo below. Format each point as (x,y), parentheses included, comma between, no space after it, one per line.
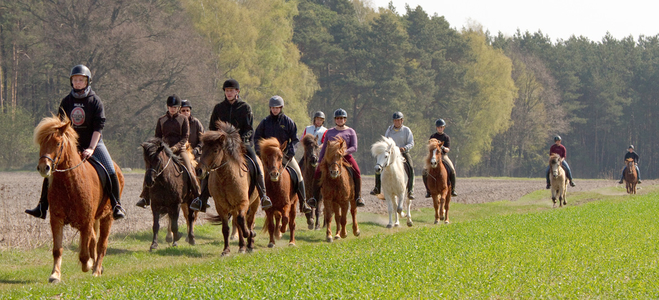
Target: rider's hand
(174,149)
(87,153)
(402,149)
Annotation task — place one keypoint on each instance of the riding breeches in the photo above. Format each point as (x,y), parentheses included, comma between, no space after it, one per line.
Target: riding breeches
(293,164)
(101,154)
(449,163)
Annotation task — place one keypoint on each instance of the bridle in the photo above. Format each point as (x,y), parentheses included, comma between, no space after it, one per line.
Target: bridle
(389,159)
(56,161)
(161,170)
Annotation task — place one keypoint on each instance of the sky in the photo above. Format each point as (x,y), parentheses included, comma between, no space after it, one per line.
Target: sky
(559,19)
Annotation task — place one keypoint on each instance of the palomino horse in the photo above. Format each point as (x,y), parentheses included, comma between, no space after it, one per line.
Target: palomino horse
(437,182)
(338,190)
(279,187)
(389,163)
(75,195)
(311,151)
(557,179)
(169,189)
(223,160)
(631,177)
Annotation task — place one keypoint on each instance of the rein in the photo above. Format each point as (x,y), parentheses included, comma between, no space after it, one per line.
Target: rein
(163,169)
(56,161)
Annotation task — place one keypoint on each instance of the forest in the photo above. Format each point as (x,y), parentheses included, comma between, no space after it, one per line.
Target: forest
(504,97)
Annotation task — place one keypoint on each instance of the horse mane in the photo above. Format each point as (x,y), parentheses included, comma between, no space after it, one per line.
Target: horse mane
(152,145)
(269,146)
(232,142)
(629,159)
(382,146)
(55,126)
(432,145)
(554,158)
(308,140)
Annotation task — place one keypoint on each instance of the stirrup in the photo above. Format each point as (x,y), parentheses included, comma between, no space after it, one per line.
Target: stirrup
(638,181)
(375,191)
(304,207)
(410,195)
(118,212)
(572,184)
(360,202)
(453,193)
(621,182)
(265,202)
(312,202)
(37,212)
(196,205)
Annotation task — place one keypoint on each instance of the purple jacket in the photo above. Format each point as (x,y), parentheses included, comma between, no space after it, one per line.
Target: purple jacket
(349,135)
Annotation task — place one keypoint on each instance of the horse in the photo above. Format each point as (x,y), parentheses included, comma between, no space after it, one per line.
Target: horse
(338,190)
(280,189)
(437,182)
(169,189)
(75,195)
(557,179)
(389,163)
(223,160)
(631,177)
(311,151)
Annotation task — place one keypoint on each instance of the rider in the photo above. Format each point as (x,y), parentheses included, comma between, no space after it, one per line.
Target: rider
(196,129)
(631,154)
(440,124)
(173,128)
(85,110)
(404,139)
(561,151)
(238,113)
(317,129)
(350,137)
(280,126)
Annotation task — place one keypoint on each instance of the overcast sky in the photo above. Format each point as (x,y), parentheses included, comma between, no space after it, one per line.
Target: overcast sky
(559,18)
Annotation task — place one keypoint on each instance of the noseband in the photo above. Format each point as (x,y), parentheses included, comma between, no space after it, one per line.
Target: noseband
(56,161)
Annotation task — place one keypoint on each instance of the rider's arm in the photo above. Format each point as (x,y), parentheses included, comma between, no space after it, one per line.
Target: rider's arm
(96,136)
(410,140)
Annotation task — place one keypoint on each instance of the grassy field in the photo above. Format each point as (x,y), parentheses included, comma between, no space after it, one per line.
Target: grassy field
(599,246)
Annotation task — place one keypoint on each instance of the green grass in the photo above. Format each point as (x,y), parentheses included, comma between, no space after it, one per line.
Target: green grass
(523,249)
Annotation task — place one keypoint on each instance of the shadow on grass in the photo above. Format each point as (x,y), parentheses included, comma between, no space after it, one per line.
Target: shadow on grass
(15,281)
(178,251)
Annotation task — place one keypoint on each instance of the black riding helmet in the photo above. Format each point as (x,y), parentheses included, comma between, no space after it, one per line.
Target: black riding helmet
(557,138)
(398,115)
(319,114)
(231,83)
(185,103)
(340,113)
(440,122)
(81,70)
(173,100)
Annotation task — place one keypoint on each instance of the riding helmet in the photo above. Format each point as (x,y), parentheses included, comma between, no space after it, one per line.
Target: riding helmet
(231,83)
(557,138)
(440,122)
(276,101)
(319,114)
(631,147)
(398,115)
(173,100)
(340,113)
(81,70)
(186,103)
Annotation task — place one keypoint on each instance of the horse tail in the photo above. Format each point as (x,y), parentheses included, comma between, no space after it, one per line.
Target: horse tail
(214,220)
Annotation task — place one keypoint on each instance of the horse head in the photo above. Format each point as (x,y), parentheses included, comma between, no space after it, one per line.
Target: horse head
(157,157)
(631,166)
(435,152)
(219,147)
(57,141)
(335,151)
(383,153)
(555,161)
(311,150)
(272,155)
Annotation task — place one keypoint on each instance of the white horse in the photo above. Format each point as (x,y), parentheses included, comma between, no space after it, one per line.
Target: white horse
(390,164)
(558,180)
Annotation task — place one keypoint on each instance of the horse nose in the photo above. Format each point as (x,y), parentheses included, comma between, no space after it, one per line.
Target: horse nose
(378,169)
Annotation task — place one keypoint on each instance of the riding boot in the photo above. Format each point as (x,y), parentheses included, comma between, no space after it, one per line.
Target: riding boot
(313,201)
(451,177)
(118,212)
(378,184)
(622,177)
(358,191)
(42,208)
(410,181)
(194,188)
(547,175)
(201,202)
(304,207)
(638,175)
(145,200)
(260,187)
(424,176)
(568,172)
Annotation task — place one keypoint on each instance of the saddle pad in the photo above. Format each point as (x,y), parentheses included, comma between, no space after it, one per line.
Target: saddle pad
(102,174)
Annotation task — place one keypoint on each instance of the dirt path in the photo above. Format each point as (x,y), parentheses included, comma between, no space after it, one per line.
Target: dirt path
(19,191)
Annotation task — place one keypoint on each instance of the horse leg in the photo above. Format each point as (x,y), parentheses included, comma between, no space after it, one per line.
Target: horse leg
(337,219)
(344,219)
(355,225)
(447,203)
(318,204)
(277,229)
(408,202)
(243,232)
(102,245)
(56,227)
(173,224)
(291,224)
(93,241)
(225,233)
(170,235)
(155,228)
(390,209)
(85,238)
(435,203)
(284,220)
(191,215)
(328,222)
(442,211)
(270,224)
(234,229)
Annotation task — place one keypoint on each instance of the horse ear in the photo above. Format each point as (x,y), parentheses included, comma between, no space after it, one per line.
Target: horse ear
(283,146)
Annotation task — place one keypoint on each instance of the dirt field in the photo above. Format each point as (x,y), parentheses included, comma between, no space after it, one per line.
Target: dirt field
(19,191)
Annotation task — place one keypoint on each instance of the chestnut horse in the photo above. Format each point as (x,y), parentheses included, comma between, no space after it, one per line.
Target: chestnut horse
(437,182)
(389,162)
(169,189)
(557,179)
(279,187)
(338,190)
(223,160)
(631,177)
(311,151)
(75,195)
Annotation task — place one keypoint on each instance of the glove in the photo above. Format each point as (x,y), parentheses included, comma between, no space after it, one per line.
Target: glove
(174,149)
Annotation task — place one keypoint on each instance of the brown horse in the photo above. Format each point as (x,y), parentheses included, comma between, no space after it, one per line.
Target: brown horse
(169,189)
(631,177)
(223,160)
(558,180)
(75,195)
(438,183)
(338,190)
(311,151)
(279,187)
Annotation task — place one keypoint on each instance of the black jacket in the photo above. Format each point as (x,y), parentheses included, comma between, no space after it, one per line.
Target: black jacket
(280,127)
(442,138)
(239,114)
(87,115)
(632,155)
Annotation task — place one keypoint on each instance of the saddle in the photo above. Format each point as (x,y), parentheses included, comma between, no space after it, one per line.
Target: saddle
(251,167)
(295,181)
(448,168)
(103,174)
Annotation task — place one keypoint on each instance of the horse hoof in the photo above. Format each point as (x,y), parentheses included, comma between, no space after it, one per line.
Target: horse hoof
(357,233)
(409,224)
(292,244)
(317,227)
(190,241)
(446,222)
(174,244)
(399,210)
(271,245)
(225,252)
(52,279)
(169,238)
(329,239)
(242,250)
(396,224)
(436,221)
(250,250)
(343,236)
(153,247)
(403,215)
(390,226)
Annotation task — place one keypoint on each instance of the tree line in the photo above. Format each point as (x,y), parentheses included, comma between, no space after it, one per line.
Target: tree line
(503,97)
